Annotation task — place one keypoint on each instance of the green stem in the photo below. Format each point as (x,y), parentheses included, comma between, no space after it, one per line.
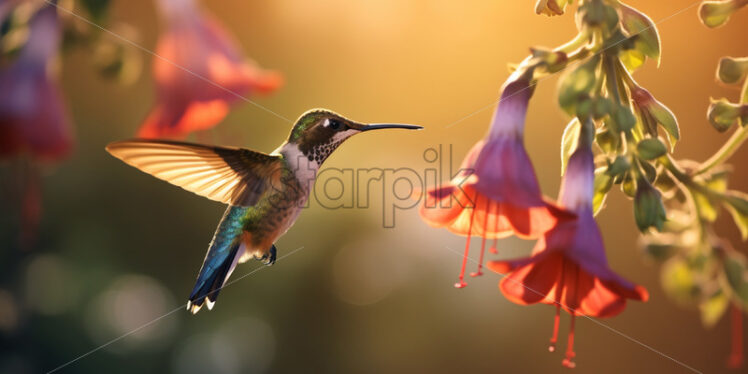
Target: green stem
(727,150)
(582,38)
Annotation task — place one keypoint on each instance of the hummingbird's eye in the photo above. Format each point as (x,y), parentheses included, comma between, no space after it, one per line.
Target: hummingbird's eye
(333,124)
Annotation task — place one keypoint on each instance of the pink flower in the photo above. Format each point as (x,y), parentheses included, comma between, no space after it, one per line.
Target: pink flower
(32,116)
(199,73)
(497,194)
(568,267)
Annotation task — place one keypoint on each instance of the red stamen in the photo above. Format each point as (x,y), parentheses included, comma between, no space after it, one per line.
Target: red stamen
(483,242)
(556,320)
(569,360)
(493,248)
(736,356)
(462,283)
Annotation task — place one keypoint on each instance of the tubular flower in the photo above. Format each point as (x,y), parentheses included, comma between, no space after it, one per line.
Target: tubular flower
(199,72)
(496,194)
(568,267)
(32,116)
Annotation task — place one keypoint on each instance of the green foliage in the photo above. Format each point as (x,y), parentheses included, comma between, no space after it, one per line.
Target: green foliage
(645,35)
(713,308)
(737,276)
(737,204)
(576,86)
(569,142)
(603,183)
(650,149)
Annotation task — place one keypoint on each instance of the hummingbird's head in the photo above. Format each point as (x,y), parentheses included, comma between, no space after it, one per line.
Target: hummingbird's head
(319,132)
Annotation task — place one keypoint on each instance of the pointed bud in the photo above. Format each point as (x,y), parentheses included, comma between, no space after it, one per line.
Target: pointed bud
(650,149)
(659,112)
(723,114)
(648,208)
(717,13)
(732,70)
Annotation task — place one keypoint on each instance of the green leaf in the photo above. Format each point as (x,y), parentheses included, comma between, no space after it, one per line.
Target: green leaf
(636,23)
(713,308)
(736,275)
(576,86)
(632,59)
(707,209)
(628,187)
(569,142)
(737,204)
(603,183)
(678,281)
(650,149)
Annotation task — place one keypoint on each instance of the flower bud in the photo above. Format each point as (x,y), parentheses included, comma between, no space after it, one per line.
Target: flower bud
(732,70)
(659,112)
(648,208)
(619,166)
(551,7)
(723,114)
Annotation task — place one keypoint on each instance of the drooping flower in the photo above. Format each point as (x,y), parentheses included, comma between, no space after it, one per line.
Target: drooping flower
(568,267)
(496,193)
(33,119)
(34,125)
(199,73)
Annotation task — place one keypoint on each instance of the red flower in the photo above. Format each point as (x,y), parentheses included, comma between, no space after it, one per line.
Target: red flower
(568,267)
(199,73)
(497,193)
(32,116)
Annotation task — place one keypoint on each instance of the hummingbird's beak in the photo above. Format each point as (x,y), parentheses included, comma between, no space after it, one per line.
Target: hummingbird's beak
(376,126)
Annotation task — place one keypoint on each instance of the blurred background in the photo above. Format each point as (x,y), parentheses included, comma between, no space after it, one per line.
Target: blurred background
(117,248)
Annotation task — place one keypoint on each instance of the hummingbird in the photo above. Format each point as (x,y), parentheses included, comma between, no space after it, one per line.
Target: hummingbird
(265,192)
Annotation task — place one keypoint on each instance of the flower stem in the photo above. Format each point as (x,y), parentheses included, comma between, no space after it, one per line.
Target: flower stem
(727,150)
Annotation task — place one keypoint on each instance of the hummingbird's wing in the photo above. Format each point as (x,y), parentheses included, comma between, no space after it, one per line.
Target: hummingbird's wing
(234,176)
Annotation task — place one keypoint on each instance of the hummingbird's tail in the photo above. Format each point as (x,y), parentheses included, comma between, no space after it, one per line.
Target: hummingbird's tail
(224,252)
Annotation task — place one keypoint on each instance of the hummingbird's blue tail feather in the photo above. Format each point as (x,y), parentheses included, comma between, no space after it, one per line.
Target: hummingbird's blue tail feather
(222,256)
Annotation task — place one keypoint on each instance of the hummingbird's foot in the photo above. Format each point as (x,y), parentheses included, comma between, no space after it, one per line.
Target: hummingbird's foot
(269,258)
